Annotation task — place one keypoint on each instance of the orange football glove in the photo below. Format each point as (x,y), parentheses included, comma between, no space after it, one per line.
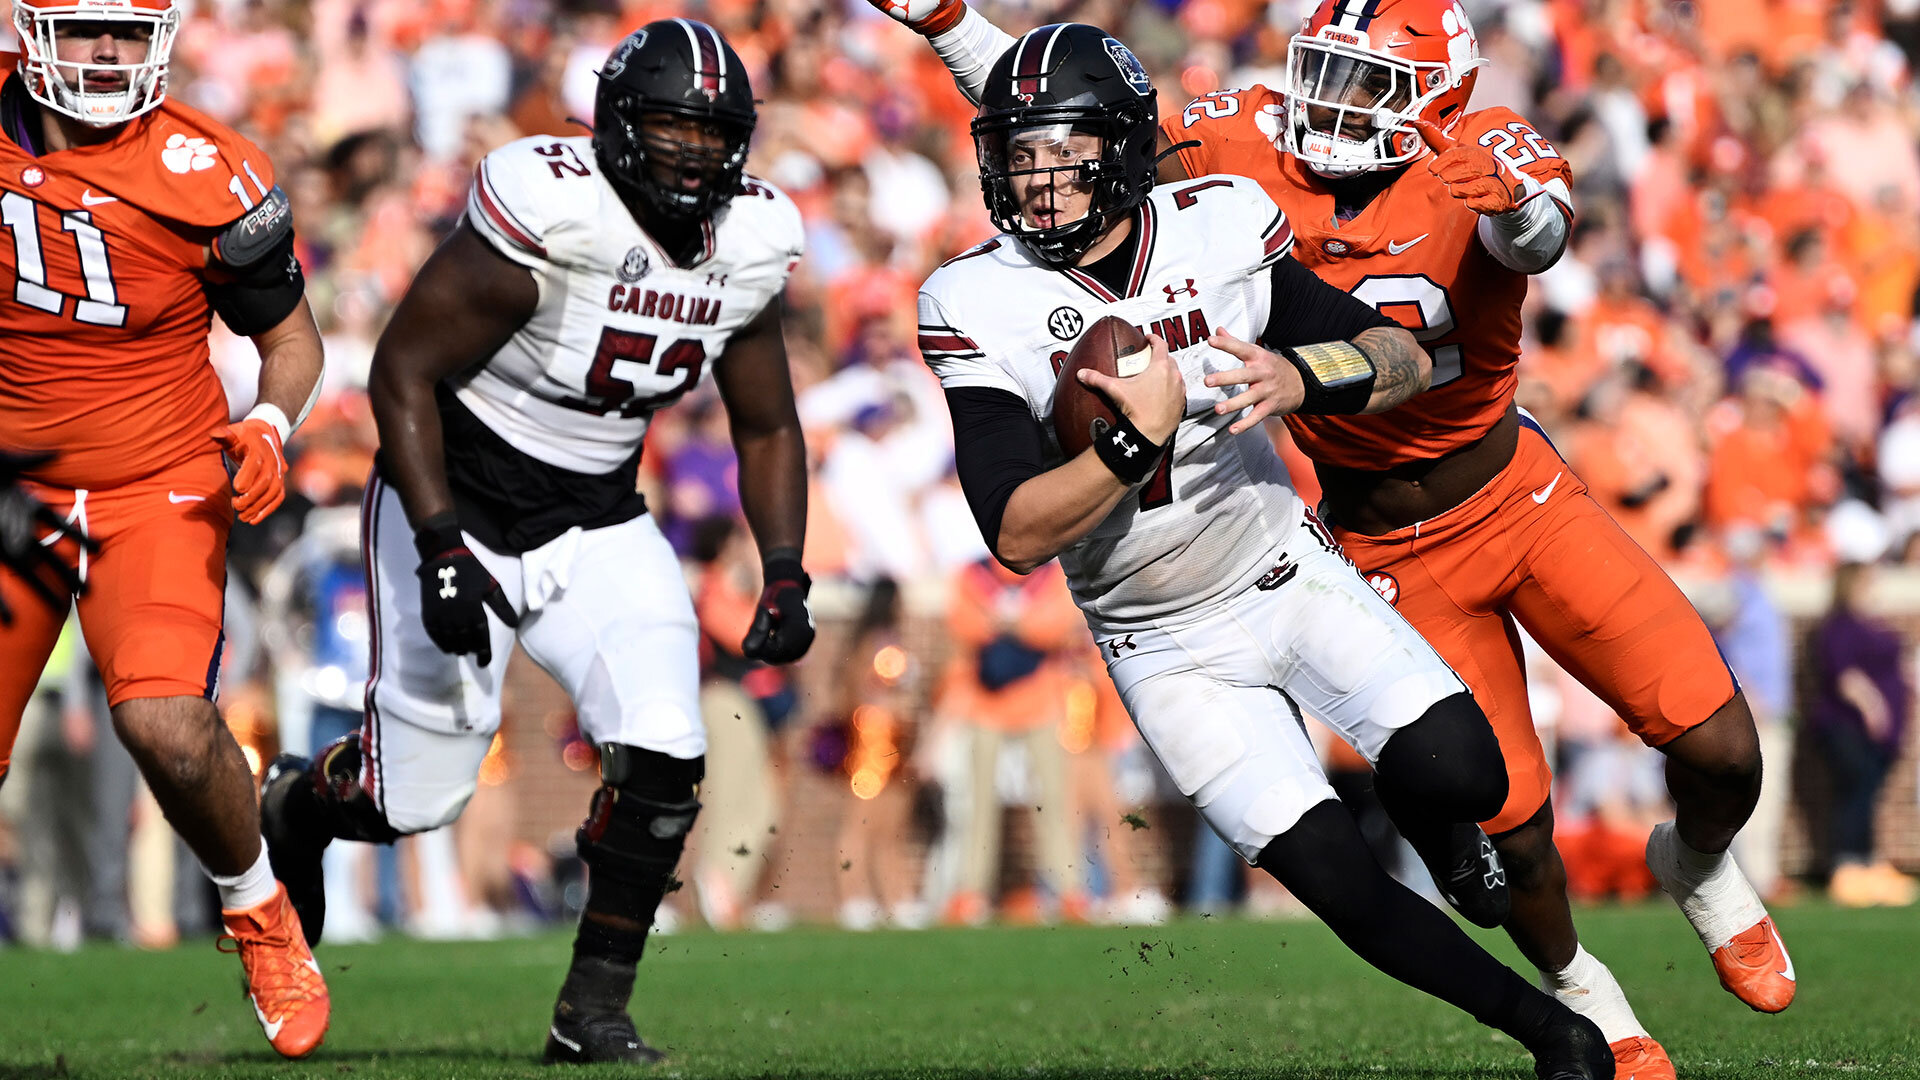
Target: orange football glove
(1471,172)
(260,481)
(927,17)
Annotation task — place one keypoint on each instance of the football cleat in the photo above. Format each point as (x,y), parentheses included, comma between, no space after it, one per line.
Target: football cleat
(596,1040)
(294,853)
(284,983)
(1472,878)
(1574,1050)
(1640,1058)
(1726,913)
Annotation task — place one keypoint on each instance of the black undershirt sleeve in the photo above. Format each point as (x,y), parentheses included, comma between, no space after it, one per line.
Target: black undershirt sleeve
(997,446)
(1306,310)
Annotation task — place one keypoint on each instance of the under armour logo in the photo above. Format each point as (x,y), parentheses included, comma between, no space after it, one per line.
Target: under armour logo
(1127,449)
(1174,292)
(1495,873)
(447,589)
(1116,644)
(717,279)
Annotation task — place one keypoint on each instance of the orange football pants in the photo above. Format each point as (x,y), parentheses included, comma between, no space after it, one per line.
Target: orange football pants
(1532,548)
(151,615)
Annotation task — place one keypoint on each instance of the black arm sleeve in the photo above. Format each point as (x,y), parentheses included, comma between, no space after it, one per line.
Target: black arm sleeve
(1307,310)
(258,296)
(997,446)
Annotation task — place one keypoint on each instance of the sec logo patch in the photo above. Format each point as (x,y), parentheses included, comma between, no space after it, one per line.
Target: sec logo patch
(1386,586)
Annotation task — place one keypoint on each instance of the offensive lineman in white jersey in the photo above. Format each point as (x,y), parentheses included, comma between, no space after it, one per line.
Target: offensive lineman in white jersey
(591,282)
(1220,603)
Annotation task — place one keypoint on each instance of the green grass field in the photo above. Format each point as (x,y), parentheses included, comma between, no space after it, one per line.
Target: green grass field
(1197,999)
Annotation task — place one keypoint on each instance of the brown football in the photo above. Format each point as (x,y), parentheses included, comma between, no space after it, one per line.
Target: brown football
(1110,346)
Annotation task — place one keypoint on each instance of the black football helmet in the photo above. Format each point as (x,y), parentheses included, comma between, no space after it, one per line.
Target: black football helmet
(1068,78)
(667,71)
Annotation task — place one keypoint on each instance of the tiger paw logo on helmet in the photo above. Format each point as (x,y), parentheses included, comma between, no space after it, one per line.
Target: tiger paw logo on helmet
(185,155)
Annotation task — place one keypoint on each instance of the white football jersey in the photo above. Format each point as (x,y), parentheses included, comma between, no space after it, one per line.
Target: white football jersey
(1202,525)
(620,330)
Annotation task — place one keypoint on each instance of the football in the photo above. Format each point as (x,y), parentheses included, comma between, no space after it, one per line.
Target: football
(1111,346)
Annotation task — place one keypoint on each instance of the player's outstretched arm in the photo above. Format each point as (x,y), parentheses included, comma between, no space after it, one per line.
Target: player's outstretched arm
(1322,353)
(463,305)
(1053,510)
(757,387)
(962,37)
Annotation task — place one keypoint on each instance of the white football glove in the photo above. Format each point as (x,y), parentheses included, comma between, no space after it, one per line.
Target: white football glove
(927,17)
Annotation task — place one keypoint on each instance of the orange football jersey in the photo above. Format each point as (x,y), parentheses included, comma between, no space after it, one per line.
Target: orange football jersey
(103,317)
(1412,253)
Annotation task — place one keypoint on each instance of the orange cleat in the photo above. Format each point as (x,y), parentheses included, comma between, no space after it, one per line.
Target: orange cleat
(1755,968)
(283,980)
(1640,1058)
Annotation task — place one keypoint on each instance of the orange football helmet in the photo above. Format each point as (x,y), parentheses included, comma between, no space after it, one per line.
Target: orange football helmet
(101,94)
(1358,73)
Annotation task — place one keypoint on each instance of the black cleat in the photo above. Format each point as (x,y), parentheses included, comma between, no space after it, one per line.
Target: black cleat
(597,1040)
(1472,878)
(294,852)
(1573,1051)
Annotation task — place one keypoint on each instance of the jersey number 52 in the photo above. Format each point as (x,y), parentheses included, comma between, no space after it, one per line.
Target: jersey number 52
(620,352)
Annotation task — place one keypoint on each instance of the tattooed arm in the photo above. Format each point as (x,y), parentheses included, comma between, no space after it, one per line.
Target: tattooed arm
(1310,318)
(1401,367)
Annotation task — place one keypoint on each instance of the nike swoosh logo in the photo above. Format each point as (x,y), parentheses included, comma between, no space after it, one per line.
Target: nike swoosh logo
(88,198)
(563,1040)
(1786,974)
(173,497)
(1546,493)
(273,1029)
(1395,249)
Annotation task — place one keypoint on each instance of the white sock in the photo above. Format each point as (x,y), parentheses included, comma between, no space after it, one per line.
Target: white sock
(1698,865)
(249,888)
(1711,891)
(1588,988)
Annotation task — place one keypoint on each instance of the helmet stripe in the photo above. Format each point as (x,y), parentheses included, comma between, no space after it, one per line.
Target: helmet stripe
(1046,56)
(708,67)
(1030,64)
(1354,14)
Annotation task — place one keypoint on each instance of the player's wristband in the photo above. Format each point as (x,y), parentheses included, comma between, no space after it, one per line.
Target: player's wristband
(1338,376)
(274,418)
(438,535)
(1125,452)
(783,564)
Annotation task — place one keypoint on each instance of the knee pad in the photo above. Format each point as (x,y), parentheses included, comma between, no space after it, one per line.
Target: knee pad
(641,814)
(1448,760)
(350,810)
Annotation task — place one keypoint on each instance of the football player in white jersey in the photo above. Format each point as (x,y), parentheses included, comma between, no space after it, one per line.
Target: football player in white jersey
(1222,606)
(591,282)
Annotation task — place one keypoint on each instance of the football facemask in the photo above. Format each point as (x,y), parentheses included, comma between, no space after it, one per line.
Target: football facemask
(92,91)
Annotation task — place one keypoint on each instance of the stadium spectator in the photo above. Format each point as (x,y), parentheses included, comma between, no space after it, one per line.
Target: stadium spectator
(1015,642)
(1862,701)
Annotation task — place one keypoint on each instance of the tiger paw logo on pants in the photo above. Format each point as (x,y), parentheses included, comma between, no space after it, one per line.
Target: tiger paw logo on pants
(184,155)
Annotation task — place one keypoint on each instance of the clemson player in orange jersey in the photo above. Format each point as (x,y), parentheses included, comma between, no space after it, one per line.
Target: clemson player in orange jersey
(126,221)
(1455,503)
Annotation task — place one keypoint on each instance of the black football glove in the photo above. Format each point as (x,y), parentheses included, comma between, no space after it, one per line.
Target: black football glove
(455,591)
(782,627)
(22,517)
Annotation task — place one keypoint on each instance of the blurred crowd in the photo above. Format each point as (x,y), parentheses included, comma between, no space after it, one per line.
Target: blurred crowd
(1727,354)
